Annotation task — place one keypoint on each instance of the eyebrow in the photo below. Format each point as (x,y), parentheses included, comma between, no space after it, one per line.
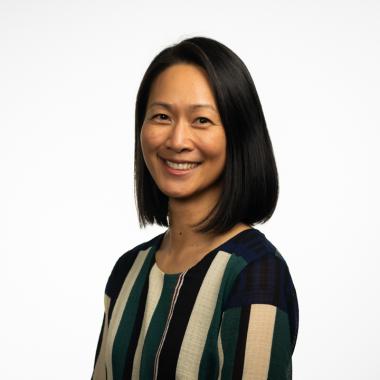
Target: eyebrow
(192,106)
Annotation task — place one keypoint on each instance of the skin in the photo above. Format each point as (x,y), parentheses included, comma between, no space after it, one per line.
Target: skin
(180,132)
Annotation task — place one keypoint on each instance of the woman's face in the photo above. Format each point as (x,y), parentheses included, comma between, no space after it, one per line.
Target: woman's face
(178,129)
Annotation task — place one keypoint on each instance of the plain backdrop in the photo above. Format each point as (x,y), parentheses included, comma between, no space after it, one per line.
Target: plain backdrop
(69,74)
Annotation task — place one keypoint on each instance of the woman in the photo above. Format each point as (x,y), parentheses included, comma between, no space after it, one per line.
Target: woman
(211,297)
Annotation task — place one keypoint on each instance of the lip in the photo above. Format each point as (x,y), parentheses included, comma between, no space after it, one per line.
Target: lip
(176,172)
(179,162)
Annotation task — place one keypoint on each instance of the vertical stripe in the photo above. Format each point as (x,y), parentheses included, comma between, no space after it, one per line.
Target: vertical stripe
(120,305)
(181,315)
(156,282)
(199,322)
(98,348)
(280,363)
(127,334)
(229,336)
(233,315)
(238,358)
(259,341)
(174,300)
(210,363)
(129,330)
(117,277)
(100,365)
(220,349)
(156,330)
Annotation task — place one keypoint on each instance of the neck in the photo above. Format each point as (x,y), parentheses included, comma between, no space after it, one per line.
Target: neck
(180,240)
(180,237)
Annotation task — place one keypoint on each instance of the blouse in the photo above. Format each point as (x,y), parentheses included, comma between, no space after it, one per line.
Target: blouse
(233,315)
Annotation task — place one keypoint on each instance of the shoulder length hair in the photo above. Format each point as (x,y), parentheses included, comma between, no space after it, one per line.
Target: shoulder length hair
(250,178)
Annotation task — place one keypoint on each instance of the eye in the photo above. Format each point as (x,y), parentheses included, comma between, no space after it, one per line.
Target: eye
(159,114)
(203,118)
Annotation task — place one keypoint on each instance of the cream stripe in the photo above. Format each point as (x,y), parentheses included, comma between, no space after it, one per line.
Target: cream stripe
(198,326)
(100,367)
(259,341)
(120,305)
(220,349)
(156,283)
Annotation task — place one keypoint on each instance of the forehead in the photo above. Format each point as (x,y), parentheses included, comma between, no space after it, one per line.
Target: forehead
(182,84)
(171,106)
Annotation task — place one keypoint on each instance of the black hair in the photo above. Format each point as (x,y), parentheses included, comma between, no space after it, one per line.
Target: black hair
(250,178)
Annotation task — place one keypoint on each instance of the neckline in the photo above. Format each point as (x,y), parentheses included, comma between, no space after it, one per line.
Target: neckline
(157,244)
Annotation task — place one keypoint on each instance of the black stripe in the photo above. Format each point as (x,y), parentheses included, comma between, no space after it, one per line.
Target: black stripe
(121,269)
(117,277)
(181,315)
(241,342)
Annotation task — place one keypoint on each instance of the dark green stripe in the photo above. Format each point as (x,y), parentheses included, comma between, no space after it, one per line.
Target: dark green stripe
(280,360)
(229,336)
(125,328)
(156,328)
(209,365)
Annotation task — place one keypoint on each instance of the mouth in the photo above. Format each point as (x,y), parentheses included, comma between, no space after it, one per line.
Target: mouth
(179,169)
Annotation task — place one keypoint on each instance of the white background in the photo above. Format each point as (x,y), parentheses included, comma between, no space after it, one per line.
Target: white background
(69,74)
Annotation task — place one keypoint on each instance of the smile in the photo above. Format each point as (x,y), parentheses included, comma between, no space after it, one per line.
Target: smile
(182,165)
(179,168)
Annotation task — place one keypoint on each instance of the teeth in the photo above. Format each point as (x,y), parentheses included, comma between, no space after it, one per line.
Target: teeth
(181,166)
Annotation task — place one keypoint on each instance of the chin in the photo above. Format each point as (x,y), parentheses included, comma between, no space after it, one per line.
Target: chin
(177,193)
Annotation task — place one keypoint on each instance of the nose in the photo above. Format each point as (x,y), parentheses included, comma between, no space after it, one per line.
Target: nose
(179,136)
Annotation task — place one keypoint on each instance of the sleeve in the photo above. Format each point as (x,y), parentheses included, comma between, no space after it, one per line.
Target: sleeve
(259,325)
(99,370)
(114,281)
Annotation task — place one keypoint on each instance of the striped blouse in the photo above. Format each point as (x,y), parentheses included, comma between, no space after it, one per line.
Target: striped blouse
(233,315)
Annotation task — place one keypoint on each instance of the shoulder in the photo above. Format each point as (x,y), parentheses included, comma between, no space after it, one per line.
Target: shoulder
(122,266)
(264,278)
(251,245)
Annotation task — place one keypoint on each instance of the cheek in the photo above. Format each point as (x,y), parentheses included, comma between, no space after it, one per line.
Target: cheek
(214,146)
(150,137)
